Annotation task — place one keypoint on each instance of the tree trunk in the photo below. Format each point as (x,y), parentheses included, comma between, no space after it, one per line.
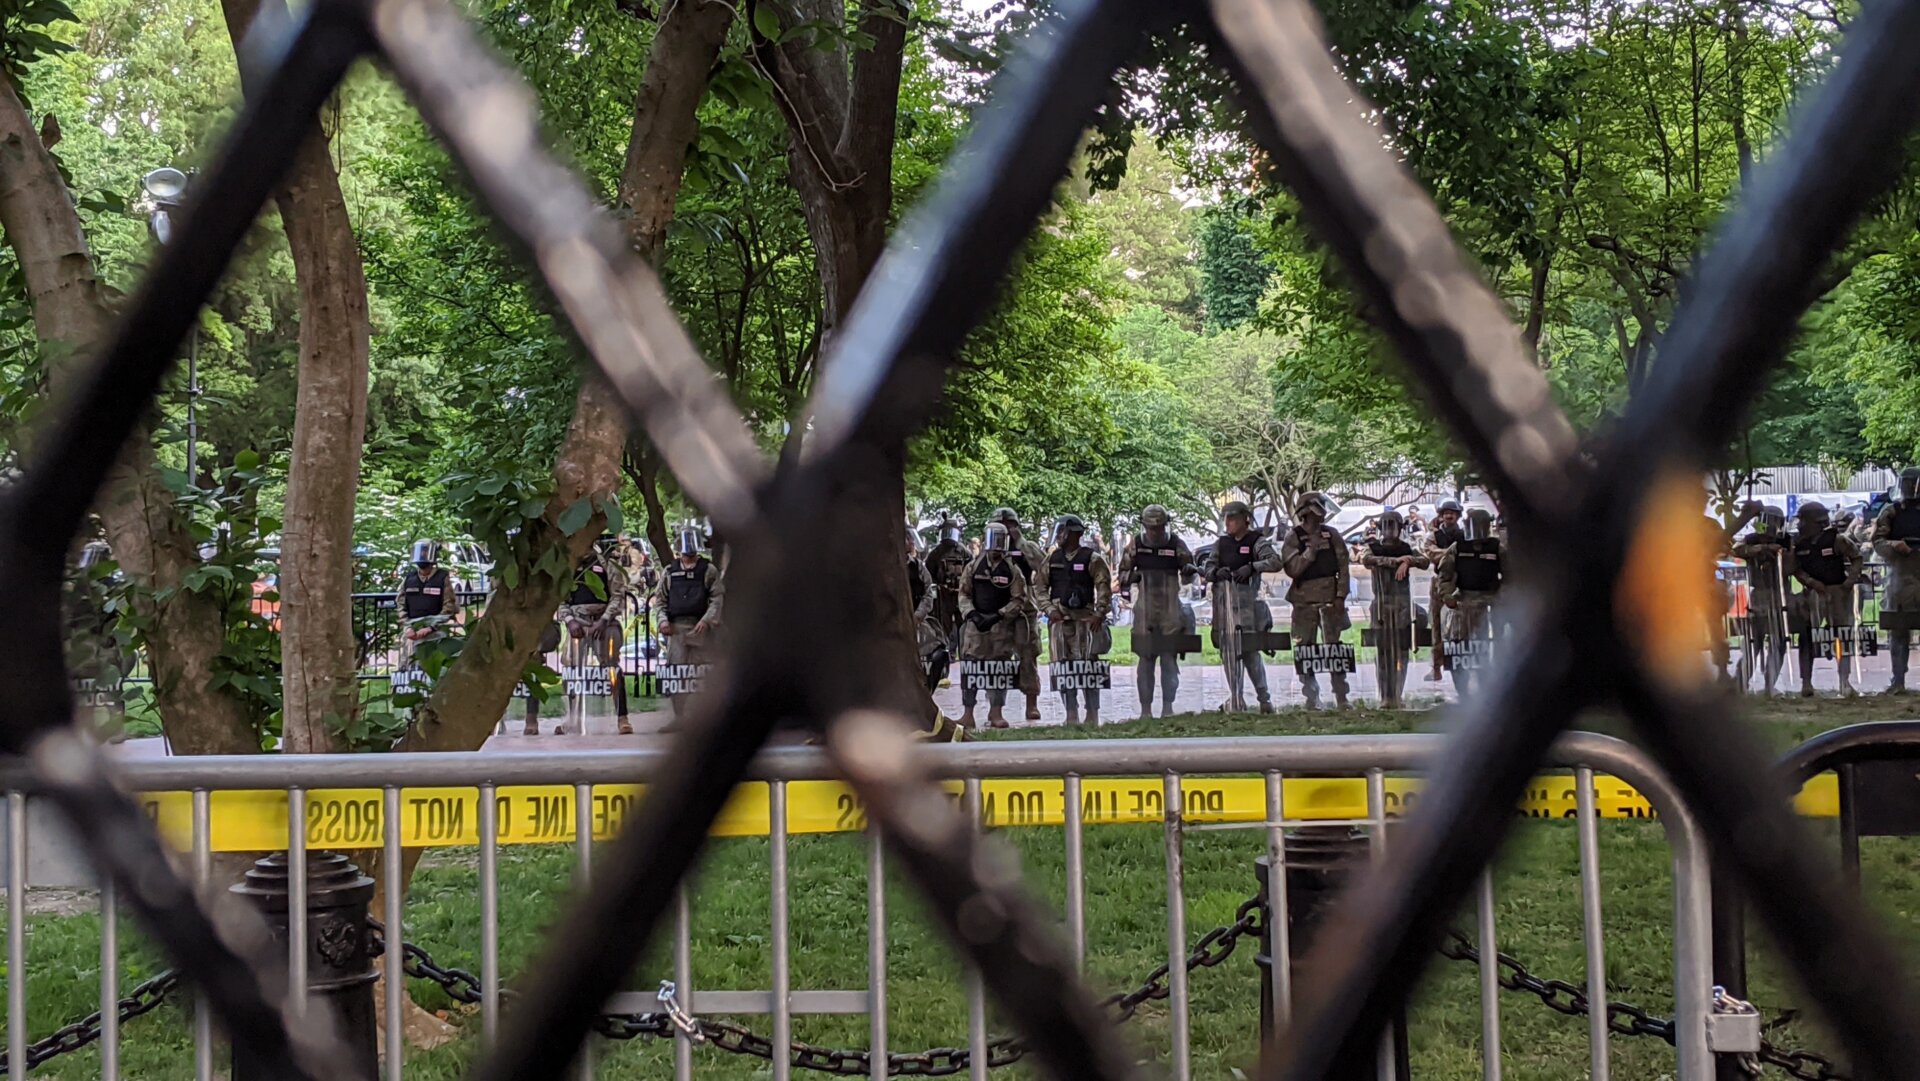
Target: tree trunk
(470,697)
(150,541)
(318,647)
(643,468)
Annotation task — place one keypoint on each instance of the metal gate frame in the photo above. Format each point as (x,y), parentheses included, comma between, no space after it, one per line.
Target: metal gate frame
(881,381)
(1174,761)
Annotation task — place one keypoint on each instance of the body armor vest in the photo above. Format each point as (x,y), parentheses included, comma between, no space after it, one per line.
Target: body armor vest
(423,597)
(1234,554)
(687,593)
(1476,565)
(583,589)
(1906,522)
(1325,563)
(1158,557)
(1390,549)
(992,586)
(1445,537)
(1070,577)
(1819,556)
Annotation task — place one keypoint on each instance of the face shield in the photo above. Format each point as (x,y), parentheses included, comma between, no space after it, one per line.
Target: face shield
(950,531)
(1068,531)
(1153,524)
(1813,518)
(688,543)
(1479,525)
(1773,521)
(1910,484)
(425,553)
(997,538)
(1391,527)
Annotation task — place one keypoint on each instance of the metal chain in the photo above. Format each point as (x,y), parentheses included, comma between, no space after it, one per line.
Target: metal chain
(145,998)
(1625,1018)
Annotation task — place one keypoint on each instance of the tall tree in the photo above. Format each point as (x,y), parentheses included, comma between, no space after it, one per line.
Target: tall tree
(144,524)
(319,648)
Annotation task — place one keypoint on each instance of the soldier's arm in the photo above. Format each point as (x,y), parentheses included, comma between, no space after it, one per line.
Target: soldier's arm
(617,586)
(716,594)
(925,607)
(449,598)
(1186,558)
(1419,559)
(1343,570)
(1294,558)
(1856,561)
(1266,557)
(1883,541)
(1126,567)
(1446,587)
(966,590)
(1102,583)
(1020,594)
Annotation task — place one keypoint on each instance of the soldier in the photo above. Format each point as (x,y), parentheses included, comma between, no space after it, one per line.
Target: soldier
(1027,557)
(1315,557)
(1078,597)
(1240,557)
(1445,534)
(591,616)
(1827,565)
(1468,582)
(946,566)
(1158,563)
(1392,559)
(689,598)
(426,592)
(1766,624)
(934,655)
(1896,539)
(994,607)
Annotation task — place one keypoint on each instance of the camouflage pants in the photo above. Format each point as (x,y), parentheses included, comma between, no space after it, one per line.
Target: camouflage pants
(1320,624)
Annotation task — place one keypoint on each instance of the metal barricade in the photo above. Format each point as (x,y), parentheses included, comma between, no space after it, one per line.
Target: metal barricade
(1178,791)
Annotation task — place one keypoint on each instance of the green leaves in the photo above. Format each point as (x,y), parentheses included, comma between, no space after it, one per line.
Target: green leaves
(575,517)
(766,20)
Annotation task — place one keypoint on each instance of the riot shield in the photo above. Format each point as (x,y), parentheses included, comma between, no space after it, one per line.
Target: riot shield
(1392,632)
(1765,647)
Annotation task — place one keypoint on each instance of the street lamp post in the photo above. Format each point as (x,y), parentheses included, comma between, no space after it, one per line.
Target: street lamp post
(166,188)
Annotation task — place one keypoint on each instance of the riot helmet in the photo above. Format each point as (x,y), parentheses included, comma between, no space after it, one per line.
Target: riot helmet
(1006,517)
(1236,509)
(1479,524)
(950,530)
(1446,507)
(1310,505)
(1910,484)
(1773,520)
(1391,525)
(997,537)
(1812,517)
(688,541)
(426,553)
(1153,523)
(1068,530)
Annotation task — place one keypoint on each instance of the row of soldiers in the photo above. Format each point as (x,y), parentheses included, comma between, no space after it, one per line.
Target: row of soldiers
(1828,567)
(986,607)
(687,601)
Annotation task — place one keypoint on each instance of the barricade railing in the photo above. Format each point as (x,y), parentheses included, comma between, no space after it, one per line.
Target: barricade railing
(1068,780)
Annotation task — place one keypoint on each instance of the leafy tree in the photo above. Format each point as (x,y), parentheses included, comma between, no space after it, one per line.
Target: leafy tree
(1233,272)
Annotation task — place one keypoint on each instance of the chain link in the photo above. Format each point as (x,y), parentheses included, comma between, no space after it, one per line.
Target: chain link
(145,998)
(1625,1018)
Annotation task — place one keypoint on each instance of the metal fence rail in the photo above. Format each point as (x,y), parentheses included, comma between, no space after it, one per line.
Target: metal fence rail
(880,382)
(1179,764)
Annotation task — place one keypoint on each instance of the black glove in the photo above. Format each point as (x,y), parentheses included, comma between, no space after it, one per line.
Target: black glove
(986,620)
(1243,573)
(1219,574)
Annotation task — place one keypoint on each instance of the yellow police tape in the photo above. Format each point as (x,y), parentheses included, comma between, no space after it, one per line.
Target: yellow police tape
(247,821)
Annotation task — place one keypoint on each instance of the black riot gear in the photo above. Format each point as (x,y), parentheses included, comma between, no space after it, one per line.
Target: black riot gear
(1070,577)
(590,581)
(688,541)
(997,539)
(423,595)
(1905,522)
(950,530)
(1449,505)
(1910,484)
(1069,526)
(1476,566)
(688,595)
(1310,504)
(1153,524)
(1325,564)
(992,587)
(1391,525)
(1812,517)
(1237,509)
(426,553)
(1479,525)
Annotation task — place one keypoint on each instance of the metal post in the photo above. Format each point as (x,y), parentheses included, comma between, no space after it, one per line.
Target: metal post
(1177,1004)
(1489,984)
(1599,1064)
(297,907)
(876,952)
(489,915)
(1076,872)
(976,987)
(202,875)
(193,400)
(392,857)
(683,979)
(109,982)
(17,936)
(327,891)
(781,972)
(583,872)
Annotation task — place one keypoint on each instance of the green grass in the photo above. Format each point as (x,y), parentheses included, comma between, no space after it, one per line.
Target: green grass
(1538,912)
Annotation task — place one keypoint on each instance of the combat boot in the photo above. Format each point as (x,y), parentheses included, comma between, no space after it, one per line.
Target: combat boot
(1033,709)
(1339,701)
(966,717)
(1093,716)
(1073,713)
(1266,705)
(531,728)
(626,727)
(1898,686)
(996,717)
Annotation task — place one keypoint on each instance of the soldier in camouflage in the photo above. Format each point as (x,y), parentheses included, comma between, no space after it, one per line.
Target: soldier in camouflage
(1391,561)
(1468,583)
(1446,533)
(1896,539)
(994,608)
(1077,600)
(591,616)
(1153,568)
(689,599)
(1027,558)
(1315,557)
(1765,631)
(1827,566)
(1239,559)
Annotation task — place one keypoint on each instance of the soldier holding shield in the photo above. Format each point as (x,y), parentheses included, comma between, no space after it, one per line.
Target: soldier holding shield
(1391,560)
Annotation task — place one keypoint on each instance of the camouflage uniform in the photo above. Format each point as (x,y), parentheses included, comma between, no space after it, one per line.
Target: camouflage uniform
(946,565)
(1030,558)
(1238,610)
(1468,583)
(990,577)
(1321,582)
(1393,613)
(689,599)
(1158,571)
(422,597)
(592,620)
(1896,539)
(1827,565)
(1077,633)
(1438,539)
(1765,629)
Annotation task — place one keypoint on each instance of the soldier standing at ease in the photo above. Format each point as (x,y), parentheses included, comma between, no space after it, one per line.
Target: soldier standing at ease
(934,654)
(689,598)
(1827,565)
(1315,557)
(1766,625)
(1468,583)
(1392,559)
(591,615)
(1026,557)
(427,591)
(1158,563)
(994,608)
(1446,533)
(1078,597)
(1240,557)
(946,566)
(1896,538)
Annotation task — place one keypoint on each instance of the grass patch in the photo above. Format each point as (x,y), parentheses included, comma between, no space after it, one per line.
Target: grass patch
(1539,918)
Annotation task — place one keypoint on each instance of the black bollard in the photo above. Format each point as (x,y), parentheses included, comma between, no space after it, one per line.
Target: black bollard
(1319,861)
(340,973)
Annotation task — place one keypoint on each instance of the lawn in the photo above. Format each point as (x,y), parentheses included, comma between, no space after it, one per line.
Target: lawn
(1538,911)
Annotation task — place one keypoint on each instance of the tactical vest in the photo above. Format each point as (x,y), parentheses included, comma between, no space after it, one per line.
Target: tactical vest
(1819,556)
(420,598)
(1233,554)
(687,592)
(1070,577)
(1476,565)
(1325,564)
(992,587)
(1161,557)
(1445,537)
(583,588)
(916,581)
(1906,521)
(1389,549)
(1017,555)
